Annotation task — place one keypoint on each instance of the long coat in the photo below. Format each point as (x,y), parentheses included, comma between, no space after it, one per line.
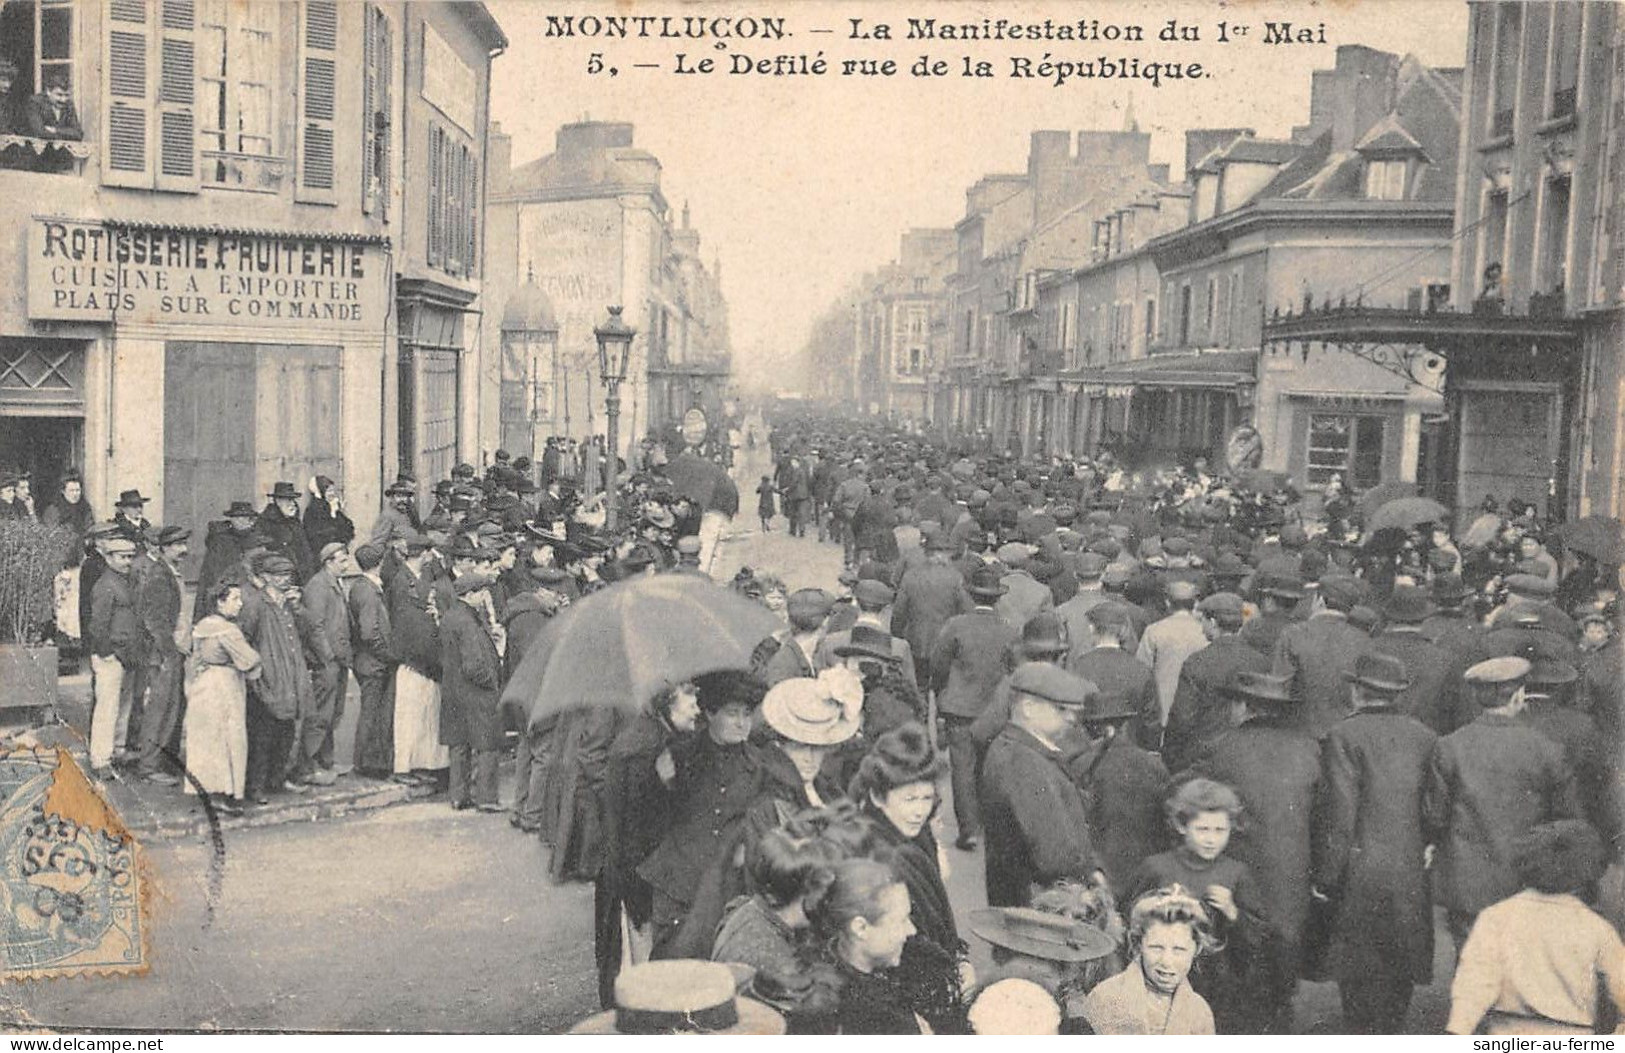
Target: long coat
(1036,822)
(370,636)
(470,681)
(1124,679)
(286,534)
(930,967)
(1488,783)
(284,685)
(1201,709)
(325,524)
(1370,854)
(637,805)
(968,660)
(223,549)
(1123,787)
(327,618)
(417,632)
(1275,770)
(927,597)
(1432,696)
(711,795)
(1318,654)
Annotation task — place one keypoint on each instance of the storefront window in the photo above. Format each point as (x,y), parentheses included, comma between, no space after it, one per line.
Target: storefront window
(1350,446)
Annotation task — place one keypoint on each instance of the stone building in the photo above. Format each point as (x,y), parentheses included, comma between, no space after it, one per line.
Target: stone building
(590,224)
(894,322)
(256,256)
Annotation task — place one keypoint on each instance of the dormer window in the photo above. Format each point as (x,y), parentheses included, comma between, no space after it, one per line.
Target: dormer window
(1387,179)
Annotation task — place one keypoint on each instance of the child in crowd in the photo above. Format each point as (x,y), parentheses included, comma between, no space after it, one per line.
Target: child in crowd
(765,505)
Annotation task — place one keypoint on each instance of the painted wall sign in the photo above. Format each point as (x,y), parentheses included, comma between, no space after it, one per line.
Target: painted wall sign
(84,271)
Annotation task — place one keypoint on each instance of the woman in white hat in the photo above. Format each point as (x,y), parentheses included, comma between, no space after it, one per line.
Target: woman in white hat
(682,997)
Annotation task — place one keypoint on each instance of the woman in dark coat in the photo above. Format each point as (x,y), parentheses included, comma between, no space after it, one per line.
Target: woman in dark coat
(324,519)
(470,683)
(896,787)
(864,922)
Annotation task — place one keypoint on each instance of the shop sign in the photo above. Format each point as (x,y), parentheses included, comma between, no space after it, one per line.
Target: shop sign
(88,272)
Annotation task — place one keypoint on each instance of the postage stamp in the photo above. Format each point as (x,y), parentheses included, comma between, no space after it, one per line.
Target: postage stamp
(71,886)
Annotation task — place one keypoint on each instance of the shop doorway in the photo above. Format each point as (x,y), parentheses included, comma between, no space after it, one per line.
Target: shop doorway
(46,448)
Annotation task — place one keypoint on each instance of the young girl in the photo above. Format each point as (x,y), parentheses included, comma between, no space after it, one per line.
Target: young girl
(765,506)
(215,729)
(1204,814)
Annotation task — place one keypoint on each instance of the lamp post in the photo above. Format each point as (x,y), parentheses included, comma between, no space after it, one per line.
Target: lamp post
(614,351)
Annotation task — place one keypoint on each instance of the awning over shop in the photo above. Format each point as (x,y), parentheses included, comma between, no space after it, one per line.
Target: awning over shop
(1210,369)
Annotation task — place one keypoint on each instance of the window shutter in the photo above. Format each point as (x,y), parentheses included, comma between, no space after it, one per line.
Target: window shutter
(126,159)
(369,105)
(436,191)
(472,212)
(318,68)
(177,91)
(386,108)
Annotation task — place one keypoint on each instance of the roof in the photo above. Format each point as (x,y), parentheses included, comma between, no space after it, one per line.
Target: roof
(1389,136)
(1248,150)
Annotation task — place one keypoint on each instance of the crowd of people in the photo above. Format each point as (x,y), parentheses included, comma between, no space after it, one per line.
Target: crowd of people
(1207,745)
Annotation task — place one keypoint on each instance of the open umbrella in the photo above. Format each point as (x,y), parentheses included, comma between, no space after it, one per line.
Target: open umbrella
(618,648)
(1381,494)
(1404,513)
(697,479)
(1596,536)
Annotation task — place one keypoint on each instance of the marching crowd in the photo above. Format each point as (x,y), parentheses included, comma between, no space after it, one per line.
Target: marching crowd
(1207,747)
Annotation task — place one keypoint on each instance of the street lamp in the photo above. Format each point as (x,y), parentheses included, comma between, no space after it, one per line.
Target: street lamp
(614,351)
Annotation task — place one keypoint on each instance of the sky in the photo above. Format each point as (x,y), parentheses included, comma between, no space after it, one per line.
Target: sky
(800,183)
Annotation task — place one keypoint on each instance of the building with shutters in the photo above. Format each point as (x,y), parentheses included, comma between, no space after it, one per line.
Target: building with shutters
(260,260)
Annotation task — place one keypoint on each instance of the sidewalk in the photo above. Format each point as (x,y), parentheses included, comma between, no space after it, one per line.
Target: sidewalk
(150,810)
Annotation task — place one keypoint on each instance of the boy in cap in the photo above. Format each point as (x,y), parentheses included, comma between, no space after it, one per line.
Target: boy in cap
(793,652)
(1488,784)
(1036,821)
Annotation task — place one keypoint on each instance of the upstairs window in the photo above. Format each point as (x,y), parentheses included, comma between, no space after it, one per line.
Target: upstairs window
(237,87)
(453,202)
(377,113)
(1387,180)
(1508,48)
(1563,60)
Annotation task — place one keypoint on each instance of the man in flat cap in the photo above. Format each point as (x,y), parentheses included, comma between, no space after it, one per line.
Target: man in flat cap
(115,644)
(873,598)
(1036,822)
(1024,595)
(927,596)
(282,693)
(1489,783)
(325,608)
(168,635)
(1317,655)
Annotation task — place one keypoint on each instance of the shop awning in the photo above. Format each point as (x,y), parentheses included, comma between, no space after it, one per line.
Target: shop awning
(1209,369)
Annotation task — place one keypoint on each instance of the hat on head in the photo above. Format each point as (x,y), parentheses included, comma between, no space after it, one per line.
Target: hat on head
(172,535)
(401,488)
(873,570)
(1052,684)
(869,642)
(1229,567)
(1182,591)
(418,542)
(658,515)
(681,996)
(688,545)
(1379,672)
(1530,585)
(105,529)
(872,593)
(284,491)
(1551,672)
(985,583)
(368,556)
(1341,591)
(1409,604)
(1039,934)
(848,577)
(1589,613)
(978,498)
(1177,546)
(1044,637)
(1226,608)
(329,550)
(816,712)
(1364,618)
(240,510)
(1450,590)
(118,543)
(1260,687)
(1090,566)
(1284,586)
(273,563)
(1506,669)
(808,604)
(126,498)
(1014,556)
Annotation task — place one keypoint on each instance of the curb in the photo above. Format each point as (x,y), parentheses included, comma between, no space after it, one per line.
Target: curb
(196,822)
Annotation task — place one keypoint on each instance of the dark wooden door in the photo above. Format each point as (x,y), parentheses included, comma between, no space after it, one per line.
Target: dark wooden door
(209,435)
(299,415)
